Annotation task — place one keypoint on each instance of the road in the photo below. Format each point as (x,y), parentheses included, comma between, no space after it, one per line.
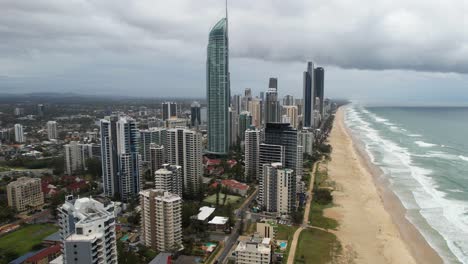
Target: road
(305,222)
(235,231)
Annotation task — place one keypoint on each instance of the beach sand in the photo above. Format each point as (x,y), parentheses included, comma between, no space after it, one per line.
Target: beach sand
(372,228)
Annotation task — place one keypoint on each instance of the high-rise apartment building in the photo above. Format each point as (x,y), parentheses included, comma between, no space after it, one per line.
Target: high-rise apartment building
(19,133)
(52,130)
(195,114)
(120,157)
(272,106)
(218,88)
(291,112)
(309,96)
(40,110)
(255,108)
(161,220)
(252,148)
(25,194)
(245,122)
(319,78)
(169,178)
(306,139)
(288,100)
(279,189)
(169,110)
(184,148)
(157,157)
(148,137)
(76,155)
(233,127)
(237,103)
(87,229)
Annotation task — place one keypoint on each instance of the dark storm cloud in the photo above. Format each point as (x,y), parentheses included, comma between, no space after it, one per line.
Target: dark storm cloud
(421,35)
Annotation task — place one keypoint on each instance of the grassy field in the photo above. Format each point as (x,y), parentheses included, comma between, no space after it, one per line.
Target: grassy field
(284,232)
(316,246)
(22,240)
(231,199)
(317,219)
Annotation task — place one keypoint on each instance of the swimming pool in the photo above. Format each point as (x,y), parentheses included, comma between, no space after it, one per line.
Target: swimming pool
(283,245)
(124,238)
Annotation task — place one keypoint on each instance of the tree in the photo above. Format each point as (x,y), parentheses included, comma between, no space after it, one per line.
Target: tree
(94,167)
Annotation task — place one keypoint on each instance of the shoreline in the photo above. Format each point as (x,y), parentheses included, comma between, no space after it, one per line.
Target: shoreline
(390,239)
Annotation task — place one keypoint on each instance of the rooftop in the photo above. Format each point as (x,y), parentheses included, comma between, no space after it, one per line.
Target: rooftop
(205,212)
(218,220)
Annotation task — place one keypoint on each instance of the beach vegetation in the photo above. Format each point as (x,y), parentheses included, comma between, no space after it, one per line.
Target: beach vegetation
(318,247)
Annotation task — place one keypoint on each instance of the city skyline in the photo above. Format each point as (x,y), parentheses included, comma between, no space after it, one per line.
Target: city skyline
(148,67)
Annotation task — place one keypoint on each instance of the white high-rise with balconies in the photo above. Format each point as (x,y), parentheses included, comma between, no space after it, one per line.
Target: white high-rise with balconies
(19,133)
(87,230)
(52,130)
(252,147)
(161,220)
(184,148)
(169,178)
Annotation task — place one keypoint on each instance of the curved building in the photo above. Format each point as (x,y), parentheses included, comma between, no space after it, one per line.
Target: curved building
(218,89)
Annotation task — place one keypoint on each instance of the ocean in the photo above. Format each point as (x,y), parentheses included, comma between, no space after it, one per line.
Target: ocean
(423,153)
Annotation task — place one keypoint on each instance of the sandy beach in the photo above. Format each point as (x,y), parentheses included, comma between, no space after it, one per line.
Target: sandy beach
(372,228)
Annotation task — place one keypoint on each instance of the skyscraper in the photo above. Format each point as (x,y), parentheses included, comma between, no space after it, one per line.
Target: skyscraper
(19,133)
(195,114)
(278,188)
(218,88)
(129,158)
(291,113)
(87,230)
(288,100)
(184,148)
(169,178)
(76,155)
(169,110)
(52,130)
(309,96)
(120,157)
(157,157)
(245,121)
(319,79)
(161,220)
(233,126)
(252,147)
(255,107)
(237,103)
(271,104)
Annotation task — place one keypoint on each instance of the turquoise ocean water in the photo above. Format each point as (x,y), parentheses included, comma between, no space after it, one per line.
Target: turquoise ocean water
(423,152)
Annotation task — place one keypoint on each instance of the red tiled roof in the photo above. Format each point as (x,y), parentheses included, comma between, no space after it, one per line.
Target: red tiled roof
(235,184)
(44,253)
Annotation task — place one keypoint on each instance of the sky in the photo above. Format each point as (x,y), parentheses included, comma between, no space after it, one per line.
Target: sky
(373,51)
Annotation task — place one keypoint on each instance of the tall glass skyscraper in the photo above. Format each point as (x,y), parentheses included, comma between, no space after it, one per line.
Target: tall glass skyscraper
(218,88)
(309,96)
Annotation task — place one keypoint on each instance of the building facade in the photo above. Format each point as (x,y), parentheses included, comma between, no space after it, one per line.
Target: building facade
(309,96)
(161,220)
(87,230)
(218,88)
(169,178)
(52,130)
(252,148)
(25,194)
(19,133)
(279,189)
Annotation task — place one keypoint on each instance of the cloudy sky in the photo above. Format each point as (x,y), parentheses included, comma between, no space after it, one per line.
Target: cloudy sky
(381,51)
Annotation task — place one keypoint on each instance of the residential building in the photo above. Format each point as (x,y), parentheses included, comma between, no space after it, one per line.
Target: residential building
(218,88)
(255,108)
(161,220)
(279,189)
(306,139)
(169,110)
(109,157)
(291,112)
(157,157)
(19,133)
(76,155)
(245,121)
(288,100)
(87,229)
(195,114)
(272,106)
(25,194)
(148,137)
(233,127)
(52,130)
(184,148)
(256,250)
(169,178)
(319,78)
(266,229)
(252,148)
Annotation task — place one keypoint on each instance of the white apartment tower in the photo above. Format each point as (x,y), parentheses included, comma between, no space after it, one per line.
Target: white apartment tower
(52,130)
(87,229)
(76,155)
(184,148)
(156,157)
(19,133)
(278,189)
(161,220)
(169,179)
